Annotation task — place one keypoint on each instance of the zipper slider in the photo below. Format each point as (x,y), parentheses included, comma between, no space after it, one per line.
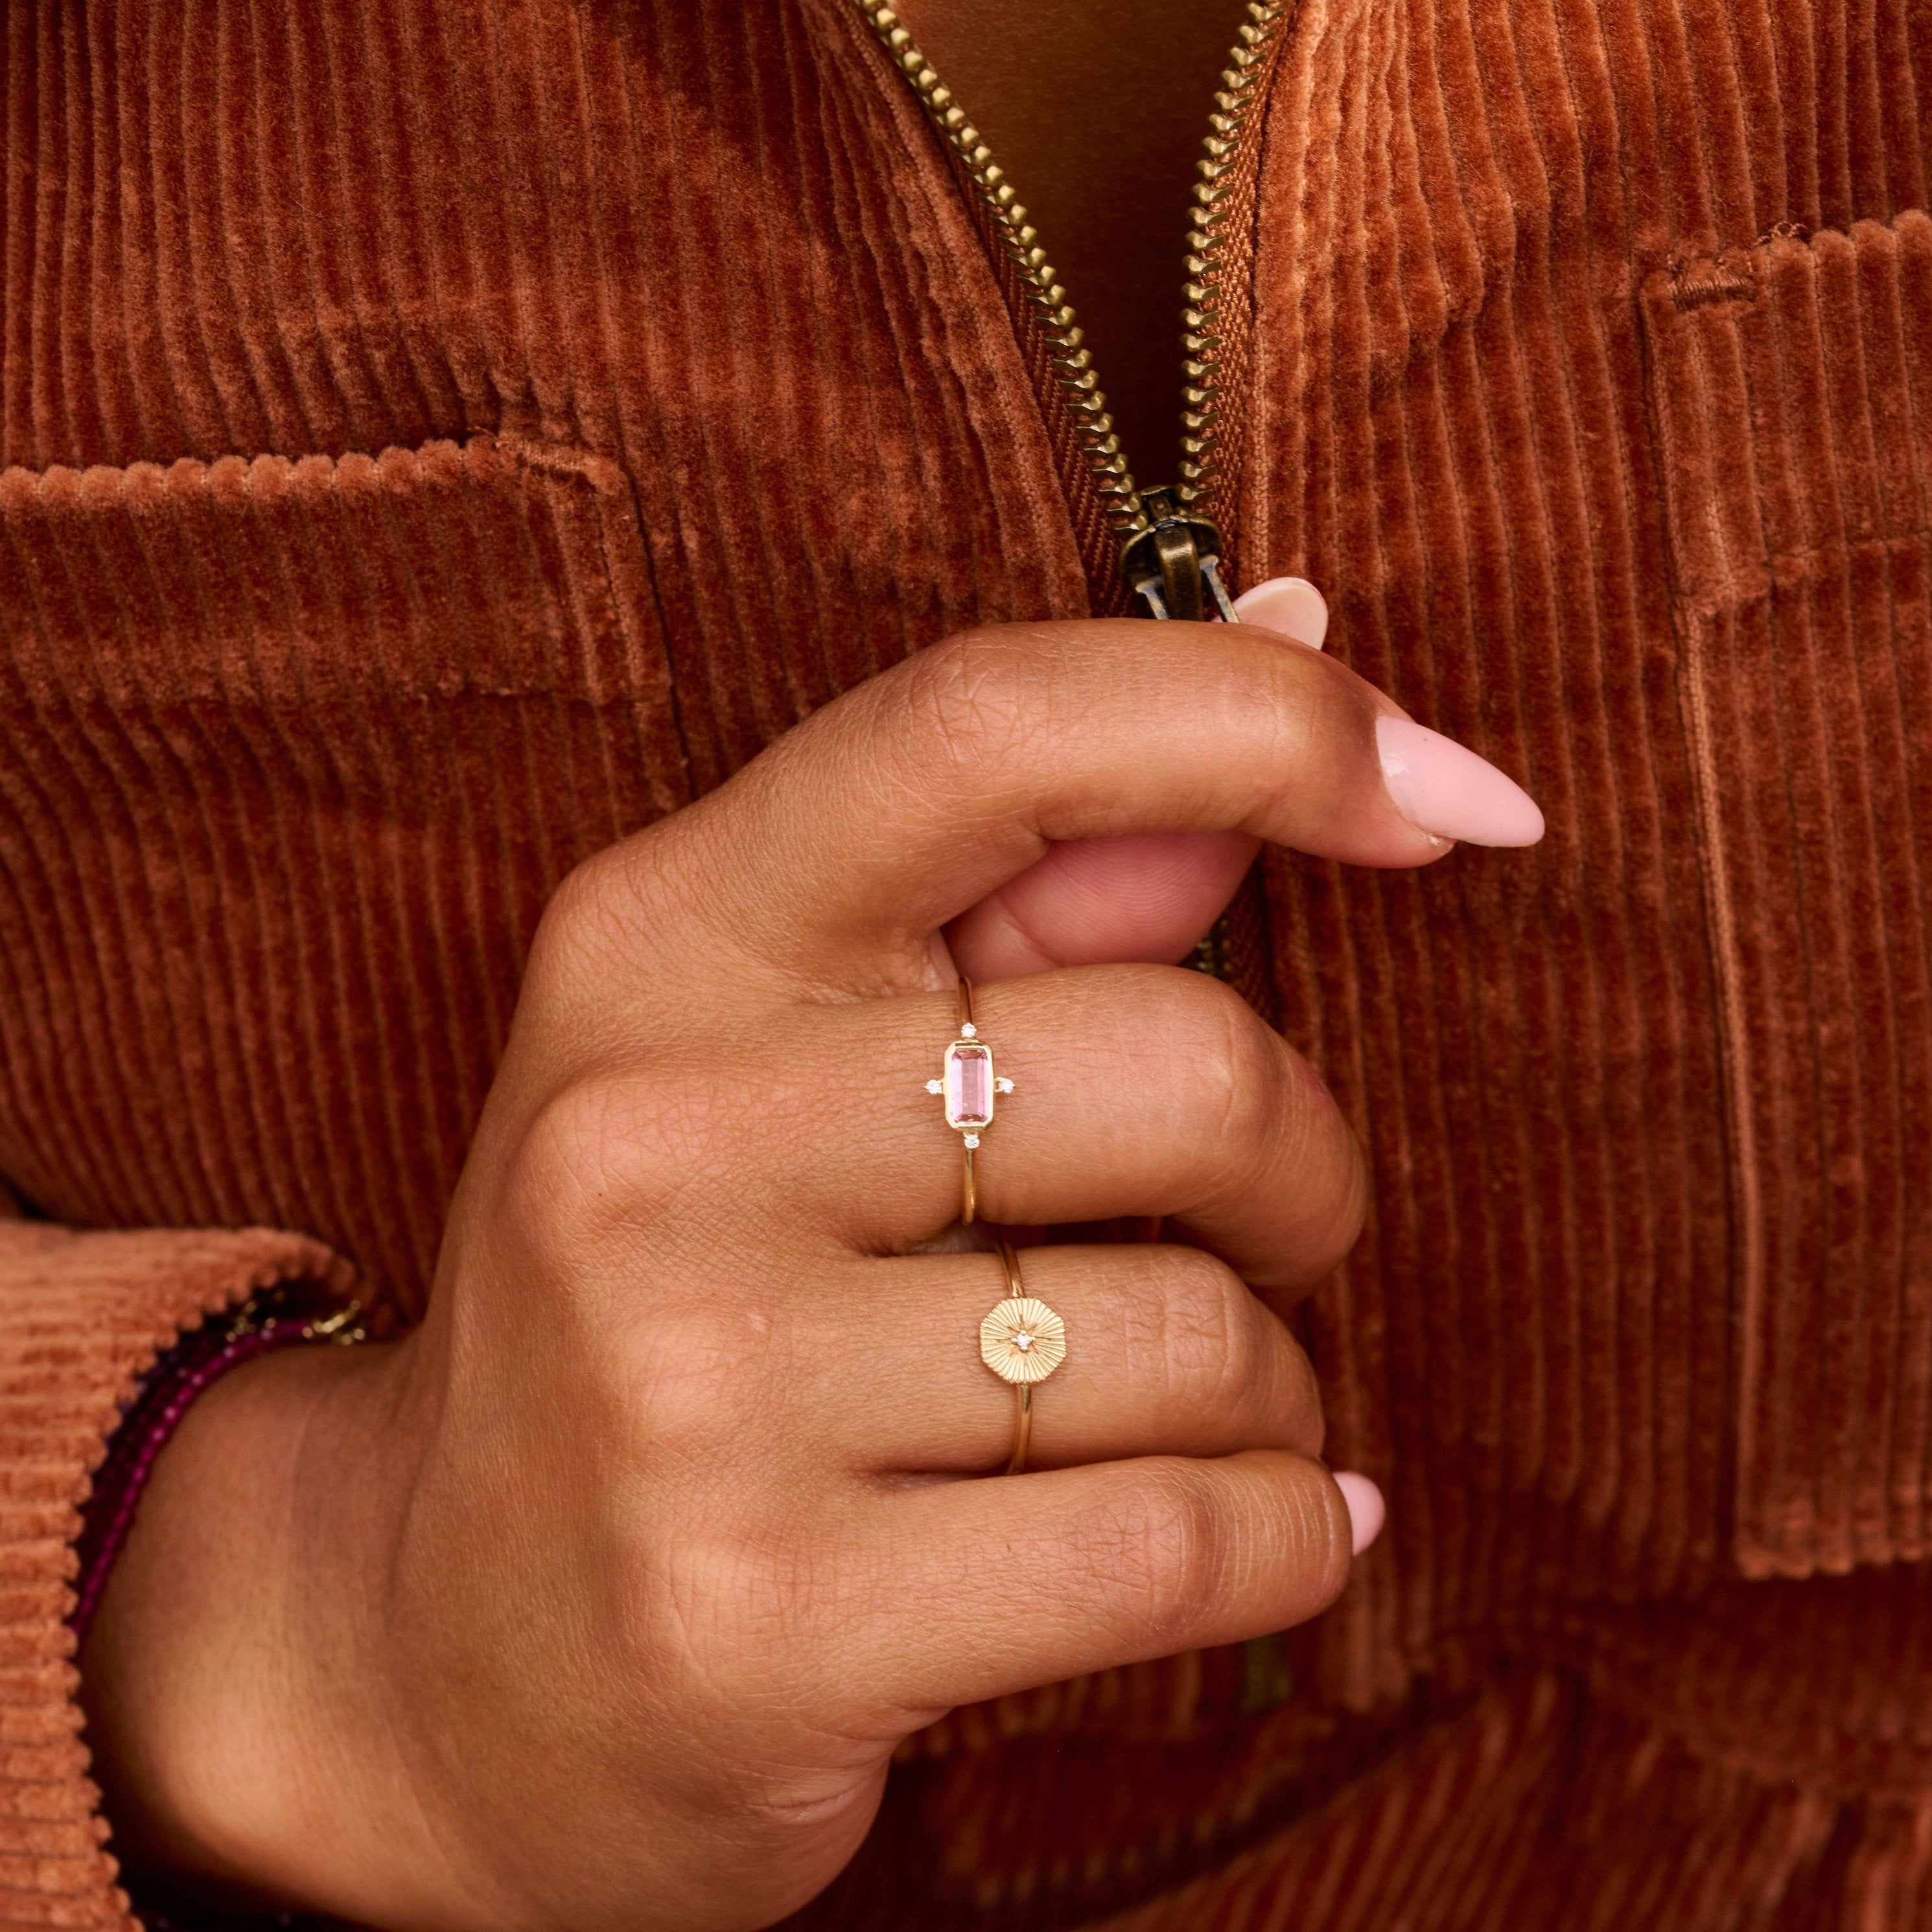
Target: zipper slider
(1175,561)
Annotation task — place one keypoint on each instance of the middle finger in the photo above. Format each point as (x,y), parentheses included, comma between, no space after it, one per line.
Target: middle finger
(1138,1091)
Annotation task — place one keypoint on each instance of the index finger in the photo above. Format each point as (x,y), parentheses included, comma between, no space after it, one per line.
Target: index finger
(859,834)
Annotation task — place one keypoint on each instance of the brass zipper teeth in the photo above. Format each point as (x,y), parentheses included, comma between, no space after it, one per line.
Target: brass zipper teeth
(1072,365)
(1206,249)
(1207,244)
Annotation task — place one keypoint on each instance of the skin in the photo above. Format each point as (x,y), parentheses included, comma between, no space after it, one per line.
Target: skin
(602,1600)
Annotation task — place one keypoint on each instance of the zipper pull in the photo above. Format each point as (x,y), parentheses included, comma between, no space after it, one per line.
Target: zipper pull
(1175,561)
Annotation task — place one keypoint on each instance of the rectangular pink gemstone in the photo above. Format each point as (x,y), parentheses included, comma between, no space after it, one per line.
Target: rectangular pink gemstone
(969,1085)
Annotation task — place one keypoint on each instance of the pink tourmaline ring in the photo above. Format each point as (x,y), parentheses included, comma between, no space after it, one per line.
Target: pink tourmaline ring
(969,1086)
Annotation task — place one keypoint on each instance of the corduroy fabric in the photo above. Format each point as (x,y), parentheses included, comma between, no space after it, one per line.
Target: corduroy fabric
(82,1317)
(441,435)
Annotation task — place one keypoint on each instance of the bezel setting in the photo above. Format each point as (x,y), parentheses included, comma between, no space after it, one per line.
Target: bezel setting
(968,1078)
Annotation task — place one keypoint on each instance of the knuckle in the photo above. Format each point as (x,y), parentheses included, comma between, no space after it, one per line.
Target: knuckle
(1231,1093)
(600,1157)
(1347,1214)
(1164,1553)
(613,907)
(585,906)
(1316,1144)
(1300,1398)
(975,700)
(1211,1342)
(1248,1111)
(755,1595)
(1224,1352)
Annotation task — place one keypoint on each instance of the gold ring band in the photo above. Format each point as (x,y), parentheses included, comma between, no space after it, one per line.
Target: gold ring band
(969,1191)
(1022,1341)
(969,1086)
(1022,1391)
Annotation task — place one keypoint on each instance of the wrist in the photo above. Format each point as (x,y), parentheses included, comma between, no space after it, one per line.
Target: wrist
(231,1677)
(167,1394)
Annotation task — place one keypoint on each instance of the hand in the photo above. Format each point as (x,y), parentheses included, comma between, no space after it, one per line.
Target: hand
(603,1600)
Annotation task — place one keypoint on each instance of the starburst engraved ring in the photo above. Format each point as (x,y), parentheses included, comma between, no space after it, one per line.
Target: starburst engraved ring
(1022,1341)
(970,1087)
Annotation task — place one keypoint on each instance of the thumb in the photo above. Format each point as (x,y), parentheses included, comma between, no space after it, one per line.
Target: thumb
(1146,897)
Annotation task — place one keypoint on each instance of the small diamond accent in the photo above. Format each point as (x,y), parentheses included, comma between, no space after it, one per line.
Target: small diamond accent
(969,1031)
(972,1140)
(1023,1340)
(1002,1084)
(935,1086)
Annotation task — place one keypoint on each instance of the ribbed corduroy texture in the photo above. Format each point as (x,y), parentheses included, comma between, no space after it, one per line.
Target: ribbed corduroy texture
(1800,554)
(446,434)
(81,1317)
(1593,383)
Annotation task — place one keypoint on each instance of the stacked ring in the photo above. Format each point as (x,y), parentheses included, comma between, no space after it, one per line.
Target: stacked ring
(969,1086)
(1022,1341)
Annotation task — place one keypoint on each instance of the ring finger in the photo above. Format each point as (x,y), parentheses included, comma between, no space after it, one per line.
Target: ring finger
(1168,1353)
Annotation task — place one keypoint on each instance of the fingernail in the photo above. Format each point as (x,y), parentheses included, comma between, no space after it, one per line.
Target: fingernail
(1289,604)
(1367,1512)
(1444,788)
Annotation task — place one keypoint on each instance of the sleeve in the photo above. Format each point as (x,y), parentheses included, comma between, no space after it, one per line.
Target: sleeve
(82,1317)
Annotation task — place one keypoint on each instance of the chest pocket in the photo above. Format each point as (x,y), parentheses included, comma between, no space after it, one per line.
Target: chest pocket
(1791,386)
(291,753)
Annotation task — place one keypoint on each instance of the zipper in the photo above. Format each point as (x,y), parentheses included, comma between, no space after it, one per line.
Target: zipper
(1170,547)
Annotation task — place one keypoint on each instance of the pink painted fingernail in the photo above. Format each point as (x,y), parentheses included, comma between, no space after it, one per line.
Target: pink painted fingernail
(1446,789)
(1367,1512)
(1289,604)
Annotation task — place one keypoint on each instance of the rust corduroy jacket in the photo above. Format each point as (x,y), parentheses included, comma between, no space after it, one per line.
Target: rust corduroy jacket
(440,436)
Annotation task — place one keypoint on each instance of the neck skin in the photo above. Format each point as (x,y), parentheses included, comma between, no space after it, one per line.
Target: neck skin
(1097,110)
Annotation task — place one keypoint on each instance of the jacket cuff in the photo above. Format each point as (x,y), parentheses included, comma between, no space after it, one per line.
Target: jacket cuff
(82,1317)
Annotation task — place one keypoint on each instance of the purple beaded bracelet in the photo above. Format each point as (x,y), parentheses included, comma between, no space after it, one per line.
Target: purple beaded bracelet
(261,1325)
